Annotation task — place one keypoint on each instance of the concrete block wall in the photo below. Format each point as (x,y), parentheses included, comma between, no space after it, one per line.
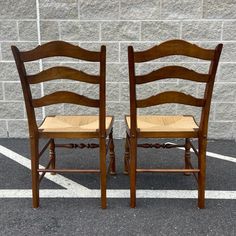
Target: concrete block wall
(117,24)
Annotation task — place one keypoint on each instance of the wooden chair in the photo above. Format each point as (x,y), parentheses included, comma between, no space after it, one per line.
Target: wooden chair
(170,126)
(63,126)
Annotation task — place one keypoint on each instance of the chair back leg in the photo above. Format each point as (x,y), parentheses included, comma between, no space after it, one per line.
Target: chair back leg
(102,144)
(34,143)
(202,143)
(133,166)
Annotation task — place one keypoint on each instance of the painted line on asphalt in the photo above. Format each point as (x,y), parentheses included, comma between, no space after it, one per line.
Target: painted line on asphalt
(58,179)
(215,155)
(117,193)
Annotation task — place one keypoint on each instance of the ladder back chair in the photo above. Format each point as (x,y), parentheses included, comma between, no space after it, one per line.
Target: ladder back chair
(66,126)
(169,126)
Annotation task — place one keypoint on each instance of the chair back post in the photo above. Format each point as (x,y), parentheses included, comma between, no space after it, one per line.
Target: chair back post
(203,128)
(132,84)
(102,93)
(26,91)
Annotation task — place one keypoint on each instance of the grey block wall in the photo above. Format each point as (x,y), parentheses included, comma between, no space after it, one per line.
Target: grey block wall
(117,24)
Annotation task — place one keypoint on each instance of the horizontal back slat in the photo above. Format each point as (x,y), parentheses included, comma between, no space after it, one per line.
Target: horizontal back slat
(174,47)
(65,97)
(61,72)
(170,97)
(59,48)
(172,72)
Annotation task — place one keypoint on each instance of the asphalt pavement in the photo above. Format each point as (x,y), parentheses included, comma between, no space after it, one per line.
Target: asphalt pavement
(81,215)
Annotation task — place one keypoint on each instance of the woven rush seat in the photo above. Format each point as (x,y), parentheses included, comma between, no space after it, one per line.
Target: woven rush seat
(72,124)
(165,123)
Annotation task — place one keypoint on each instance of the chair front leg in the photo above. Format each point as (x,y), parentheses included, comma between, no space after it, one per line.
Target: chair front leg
(103,184)
(52,155)
(132,173)
(34,144)
(202,143)
(126,155)
(187,155)
(112,165)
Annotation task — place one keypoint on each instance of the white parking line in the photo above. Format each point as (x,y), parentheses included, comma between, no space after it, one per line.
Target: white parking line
(75,190)
(58,179)
(116,193)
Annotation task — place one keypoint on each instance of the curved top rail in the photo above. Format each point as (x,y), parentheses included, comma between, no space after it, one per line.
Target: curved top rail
(174,47)
(59,48)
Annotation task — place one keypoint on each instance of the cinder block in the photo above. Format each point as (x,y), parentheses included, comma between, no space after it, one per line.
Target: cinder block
(218,9)
(52,110)
(58,9)
(140,9)
(188,87)
(51,87)
(117,72)
(229,30)
(99,10)
(8,31)
(225,112)
(81,31)
(226,72)
(11,110)
(146,90)
(124,92)
(8,71)
(3,129)
(116,128)
(178,9)
(120,31)
(13,91)
(71,109)
(6,48)
(1,91)
(118,109)
(49,30)
(221,130)
(228,53)
(224,92)
(18,128)
(90,90)
(28,30)
(201,30)
(160,30)
(112,92)
(20,9)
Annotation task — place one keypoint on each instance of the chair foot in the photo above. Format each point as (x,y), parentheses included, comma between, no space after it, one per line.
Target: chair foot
(35,205)
(187,174)
(132,203)
(201,204)
(112,172)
